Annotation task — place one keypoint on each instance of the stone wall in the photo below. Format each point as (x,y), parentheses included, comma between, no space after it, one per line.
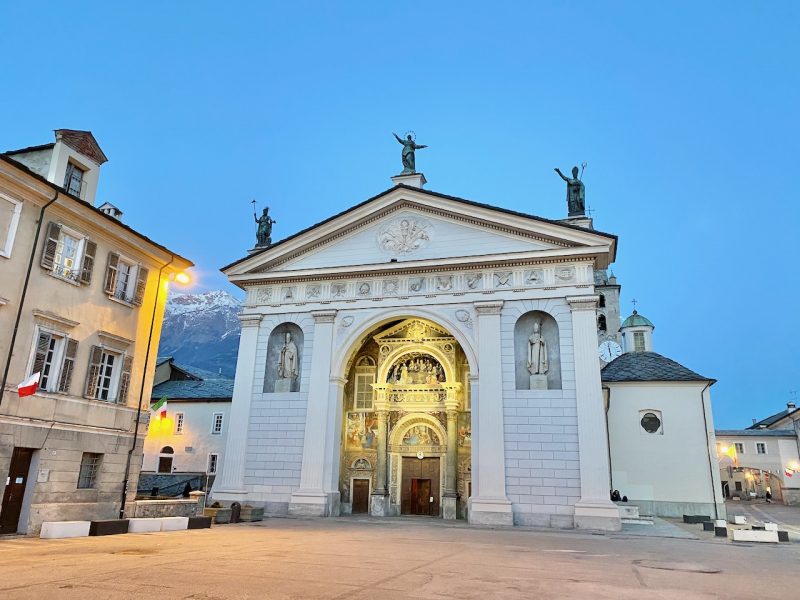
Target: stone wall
(178,507)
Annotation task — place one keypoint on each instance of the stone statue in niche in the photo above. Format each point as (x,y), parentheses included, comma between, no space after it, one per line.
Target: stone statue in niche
(537,358)
(287,366)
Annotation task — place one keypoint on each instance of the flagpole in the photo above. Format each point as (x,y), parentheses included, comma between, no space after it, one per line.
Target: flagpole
(141,393)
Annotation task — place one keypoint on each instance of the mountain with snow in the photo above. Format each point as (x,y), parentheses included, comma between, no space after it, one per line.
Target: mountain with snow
(202,330)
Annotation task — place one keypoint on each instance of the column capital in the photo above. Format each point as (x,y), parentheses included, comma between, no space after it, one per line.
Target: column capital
(250,320)
(340,381)
(488,308)
(583,302)
(323,316)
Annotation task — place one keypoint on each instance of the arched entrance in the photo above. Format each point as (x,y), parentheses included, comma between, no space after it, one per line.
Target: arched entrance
(407,426)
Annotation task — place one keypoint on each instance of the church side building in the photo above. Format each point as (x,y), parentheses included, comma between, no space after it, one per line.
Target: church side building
(424,354)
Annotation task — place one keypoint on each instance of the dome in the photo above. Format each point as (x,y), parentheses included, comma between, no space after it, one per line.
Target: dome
(637,320)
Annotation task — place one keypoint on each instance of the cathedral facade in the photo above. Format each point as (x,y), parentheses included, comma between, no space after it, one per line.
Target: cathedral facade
(421,354)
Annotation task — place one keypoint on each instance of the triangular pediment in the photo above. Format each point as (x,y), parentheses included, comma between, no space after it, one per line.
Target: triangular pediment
(405,225)
(412,330)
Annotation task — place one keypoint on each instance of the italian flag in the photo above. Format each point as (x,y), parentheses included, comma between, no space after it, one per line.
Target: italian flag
(160,408)
(29,386)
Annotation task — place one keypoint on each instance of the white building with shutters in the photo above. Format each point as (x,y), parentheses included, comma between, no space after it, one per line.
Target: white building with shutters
(80,295)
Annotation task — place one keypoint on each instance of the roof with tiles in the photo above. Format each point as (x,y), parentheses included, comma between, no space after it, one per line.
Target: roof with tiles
(647,366)
(755,433)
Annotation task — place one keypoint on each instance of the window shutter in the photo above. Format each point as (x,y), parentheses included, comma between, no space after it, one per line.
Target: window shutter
(90,248)
(68,365)
(125,380)
(93,373)
(42,346)
(50,245)
(141,283)
(111,272)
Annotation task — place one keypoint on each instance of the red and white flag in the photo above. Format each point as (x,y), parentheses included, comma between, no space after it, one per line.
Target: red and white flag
(29,386)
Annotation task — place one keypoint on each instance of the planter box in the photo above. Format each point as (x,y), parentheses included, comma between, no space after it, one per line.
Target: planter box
(220,515)
(251,513)
(199,522)
(109,527)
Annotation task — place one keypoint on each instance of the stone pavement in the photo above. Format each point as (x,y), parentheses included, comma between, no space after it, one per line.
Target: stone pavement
(387,559)
(787,517)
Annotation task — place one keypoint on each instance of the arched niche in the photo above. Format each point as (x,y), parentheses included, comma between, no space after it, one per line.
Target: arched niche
(277,339)
(523,329)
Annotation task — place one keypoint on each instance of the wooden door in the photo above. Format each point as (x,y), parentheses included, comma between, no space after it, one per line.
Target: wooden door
(15,490)
(360,496)
(419,484)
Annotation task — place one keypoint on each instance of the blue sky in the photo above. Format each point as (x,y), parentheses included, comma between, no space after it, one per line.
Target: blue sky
(685,112)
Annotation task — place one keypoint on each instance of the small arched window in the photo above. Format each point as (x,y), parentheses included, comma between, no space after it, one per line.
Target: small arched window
(167,450)
(601,323)
(602,301)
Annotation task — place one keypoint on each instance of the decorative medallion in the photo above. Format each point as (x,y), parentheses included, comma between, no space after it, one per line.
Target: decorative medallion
(502,279)
(464,317)
(364,289)
(404,236)
(391,287)
(416,284)
(474,281)
(565,273)
(444,284)
(385,350)
(348,320)
(534,277)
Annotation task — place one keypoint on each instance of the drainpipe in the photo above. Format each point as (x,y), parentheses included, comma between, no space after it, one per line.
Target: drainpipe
(22,297)
(607,391)
(141,391)
(708,449)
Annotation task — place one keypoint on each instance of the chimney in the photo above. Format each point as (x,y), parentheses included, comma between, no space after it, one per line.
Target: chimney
(791,405)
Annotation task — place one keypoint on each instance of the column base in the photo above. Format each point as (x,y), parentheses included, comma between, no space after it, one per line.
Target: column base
(490,511)
(228,496)
(314,504)
(449,507)
(600,515)
(379,505)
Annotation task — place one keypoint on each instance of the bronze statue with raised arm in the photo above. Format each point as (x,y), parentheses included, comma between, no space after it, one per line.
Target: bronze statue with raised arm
(576,193)
(409,146)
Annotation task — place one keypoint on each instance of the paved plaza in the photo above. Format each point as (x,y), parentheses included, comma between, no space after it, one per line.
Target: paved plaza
(395,558)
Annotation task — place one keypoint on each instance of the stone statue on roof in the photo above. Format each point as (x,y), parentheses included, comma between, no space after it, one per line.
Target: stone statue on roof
(409,146)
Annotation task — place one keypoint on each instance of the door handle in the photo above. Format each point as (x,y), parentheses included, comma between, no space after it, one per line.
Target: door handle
(431,500)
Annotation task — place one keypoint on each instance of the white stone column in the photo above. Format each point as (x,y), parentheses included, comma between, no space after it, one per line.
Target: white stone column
(334,442)
(489,504)
(594,510)
(312,498)
(229,485)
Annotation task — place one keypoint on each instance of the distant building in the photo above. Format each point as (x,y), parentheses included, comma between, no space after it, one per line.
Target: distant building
(660,429)
(764,457)
(81,295)
(190,441)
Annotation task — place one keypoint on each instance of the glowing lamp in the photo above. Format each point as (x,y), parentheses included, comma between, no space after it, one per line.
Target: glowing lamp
(183,278)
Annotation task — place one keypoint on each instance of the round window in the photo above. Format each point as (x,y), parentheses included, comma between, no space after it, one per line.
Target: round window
(650,422)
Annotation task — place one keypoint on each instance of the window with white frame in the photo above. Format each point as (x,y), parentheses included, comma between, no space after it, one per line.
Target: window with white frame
(90,466)
(216,423)
(365,377)
(178,423)
(212,464)
(54,359)
(68,254)
(125,279)
(109,375)
(761,448)
(73,179)
(10,210)
(739,447)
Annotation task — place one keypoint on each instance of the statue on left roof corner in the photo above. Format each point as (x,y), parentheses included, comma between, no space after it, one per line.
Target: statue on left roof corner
(264,231)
